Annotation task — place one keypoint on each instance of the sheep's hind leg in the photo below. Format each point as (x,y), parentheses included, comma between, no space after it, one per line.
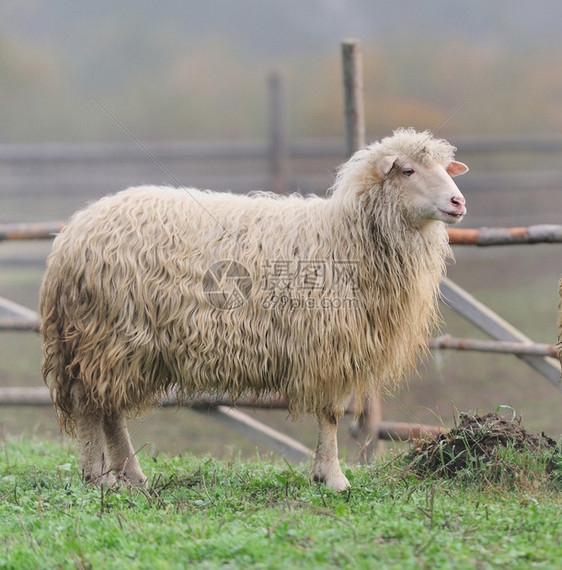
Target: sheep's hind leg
(91,441)
(122,455)
(326,467)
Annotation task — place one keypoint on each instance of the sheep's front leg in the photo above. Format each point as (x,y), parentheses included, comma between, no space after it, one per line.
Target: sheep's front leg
(326,467)
(91,441)
(121,453)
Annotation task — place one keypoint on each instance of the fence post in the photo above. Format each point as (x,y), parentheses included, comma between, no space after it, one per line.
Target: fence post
(278,153)
(353,96)
(368,426)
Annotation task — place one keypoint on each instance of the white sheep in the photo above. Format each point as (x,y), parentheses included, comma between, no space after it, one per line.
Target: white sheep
(154,290)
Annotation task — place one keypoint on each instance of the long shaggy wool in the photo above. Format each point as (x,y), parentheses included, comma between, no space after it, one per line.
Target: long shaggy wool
(125,310)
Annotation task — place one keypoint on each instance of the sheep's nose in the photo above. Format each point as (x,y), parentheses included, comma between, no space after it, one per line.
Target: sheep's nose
(459,203)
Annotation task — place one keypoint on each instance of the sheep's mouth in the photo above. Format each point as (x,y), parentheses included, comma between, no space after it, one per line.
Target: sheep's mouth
(457,216)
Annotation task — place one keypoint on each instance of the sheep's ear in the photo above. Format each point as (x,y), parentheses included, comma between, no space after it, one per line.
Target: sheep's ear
(456,168)
(385,164)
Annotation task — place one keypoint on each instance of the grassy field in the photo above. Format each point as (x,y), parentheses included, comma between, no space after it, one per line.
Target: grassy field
(208,513)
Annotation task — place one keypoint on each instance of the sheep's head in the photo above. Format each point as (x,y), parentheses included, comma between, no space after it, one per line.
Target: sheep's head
(407,174)
(427,191)
(420,169)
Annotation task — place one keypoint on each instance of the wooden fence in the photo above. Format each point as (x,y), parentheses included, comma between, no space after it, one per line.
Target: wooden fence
(371,427)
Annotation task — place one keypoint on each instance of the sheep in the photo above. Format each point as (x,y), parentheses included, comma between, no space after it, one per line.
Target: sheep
(155,290)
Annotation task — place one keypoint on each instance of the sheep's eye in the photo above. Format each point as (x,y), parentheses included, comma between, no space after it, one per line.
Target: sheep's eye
(408,171)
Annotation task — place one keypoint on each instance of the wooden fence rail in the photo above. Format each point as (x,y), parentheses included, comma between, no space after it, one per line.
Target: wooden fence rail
(39,230)
(498,328)
(540,233)
(497,346)
(17,317)
(398,431)
(242,149)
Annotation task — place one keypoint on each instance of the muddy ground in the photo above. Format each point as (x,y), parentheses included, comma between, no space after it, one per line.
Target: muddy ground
(491,444)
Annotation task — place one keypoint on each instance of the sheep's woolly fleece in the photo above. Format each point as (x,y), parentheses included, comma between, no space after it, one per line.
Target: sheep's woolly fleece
(125,311)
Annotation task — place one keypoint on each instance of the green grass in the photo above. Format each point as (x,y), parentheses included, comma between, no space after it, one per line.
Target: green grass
(204,513)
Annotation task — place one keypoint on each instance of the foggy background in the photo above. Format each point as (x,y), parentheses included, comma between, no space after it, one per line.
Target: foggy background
(195,68)
(75,74)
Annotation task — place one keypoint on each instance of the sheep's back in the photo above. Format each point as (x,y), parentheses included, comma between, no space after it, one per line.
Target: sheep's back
(126,279)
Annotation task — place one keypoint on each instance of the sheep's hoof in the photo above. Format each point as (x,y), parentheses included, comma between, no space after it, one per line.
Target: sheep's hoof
(336,481)
(133,479)
(103,480)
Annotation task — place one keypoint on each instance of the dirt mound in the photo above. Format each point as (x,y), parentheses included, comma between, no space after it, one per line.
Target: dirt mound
(490,443)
